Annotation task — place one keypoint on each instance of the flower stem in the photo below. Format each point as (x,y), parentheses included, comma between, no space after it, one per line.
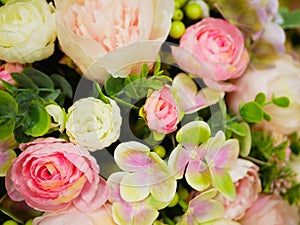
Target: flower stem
(125,103)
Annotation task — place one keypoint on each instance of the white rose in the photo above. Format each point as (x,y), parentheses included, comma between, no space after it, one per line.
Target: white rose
(281,79)
(92,124)
(27,31)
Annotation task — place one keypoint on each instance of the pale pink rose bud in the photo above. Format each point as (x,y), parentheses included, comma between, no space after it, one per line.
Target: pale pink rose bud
(162,111)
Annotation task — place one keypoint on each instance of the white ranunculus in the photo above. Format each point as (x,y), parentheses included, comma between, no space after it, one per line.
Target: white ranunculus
(27,30)
(280,79)
(93,124)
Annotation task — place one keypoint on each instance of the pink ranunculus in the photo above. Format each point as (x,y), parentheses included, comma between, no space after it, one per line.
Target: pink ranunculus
(8,68)
(271,210)
(162,111)
(112,37)
(214,50)
(52,174)
(282,78)
(247,184)
(73,216)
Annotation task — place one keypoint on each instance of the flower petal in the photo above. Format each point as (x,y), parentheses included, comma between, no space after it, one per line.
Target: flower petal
(132,156)
(222,181)
(197,175)
(178,160)
(135,187)
(193,133)
(228,154)
(213,147)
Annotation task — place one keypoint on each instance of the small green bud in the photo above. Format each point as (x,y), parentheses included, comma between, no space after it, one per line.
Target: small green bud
(10,222)
(177,29)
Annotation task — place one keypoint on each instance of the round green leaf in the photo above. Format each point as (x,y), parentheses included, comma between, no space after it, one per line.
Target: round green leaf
(252,112)
(8,105)
(260,98)
(283,102)
(7,128)
(37,120)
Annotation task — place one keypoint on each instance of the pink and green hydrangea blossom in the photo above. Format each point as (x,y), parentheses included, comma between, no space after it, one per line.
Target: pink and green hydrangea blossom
(146,173)
(192,100)
(203,209)
(131,213)
(7,154)
(204,161)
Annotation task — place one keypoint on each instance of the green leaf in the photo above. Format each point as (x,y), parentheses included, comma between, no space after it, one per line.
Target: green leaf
(61,83)
(113,86)
(245,141)
(52,95)
(157,66)
(252,112)
(7,127)
(237,128)
(145,70)
(24,81)
(19,211)
(21,137)
(151,84)
(290,19)
(100,94)
(39,78)
(267,116)
(24,99)
(283,102)
(37,120)
(260,98)
(9,87)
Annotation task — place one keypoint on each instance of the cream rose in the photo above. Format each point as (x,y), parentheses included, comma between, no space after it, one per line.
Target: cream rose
(92,124)
(281,79)
(112,37)
(28,31)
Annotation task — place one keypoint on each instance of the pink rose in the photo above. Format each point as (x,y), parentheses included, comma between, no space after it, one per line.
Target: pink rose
(247,184)
(51,174)
(214,50)
(112,37)
(271,210)
(282,78)
(8,68)
(73,216)
(162,111)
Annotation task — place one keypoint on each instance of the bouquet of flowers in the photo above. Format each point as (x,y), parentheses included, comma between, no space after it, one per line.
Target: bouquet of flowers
(132,112)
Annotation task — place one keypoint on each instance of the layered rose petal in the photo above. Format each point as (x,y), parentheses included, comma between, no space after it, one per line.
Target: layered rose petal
(214,50)
(51,174)
(96,33)
(162,111)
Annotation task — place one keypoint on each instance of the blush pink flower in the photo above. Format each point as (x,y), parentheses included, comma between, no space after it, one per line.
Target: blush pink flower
(162,111)
(8,68)
(247,184)
(52,174)
(73,216)
(271,210)
(112,37)
(214,50)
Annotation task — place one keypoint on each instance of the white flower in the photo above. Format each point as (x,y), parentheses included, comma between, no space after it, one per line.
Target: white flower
(93,124)
(59,116)
(27,30)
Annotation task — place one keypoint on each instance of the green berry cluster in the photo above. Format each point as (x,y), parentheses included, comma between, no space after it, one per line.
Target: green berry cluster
(184,8)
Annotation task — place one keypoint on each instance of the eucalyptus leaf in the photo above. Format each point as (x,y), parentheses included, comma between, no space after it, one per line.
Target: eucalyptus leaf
(24,81)
(61,83)
(24,99)
(290,19)
(252,112)
(283,102)
(8,105)
(260,98)
(52,95)
(37,120)
(40,78)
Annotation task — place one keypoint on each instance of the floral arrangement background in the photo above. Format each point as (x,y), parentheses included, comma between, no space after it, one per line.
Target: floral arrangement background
(149,112)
